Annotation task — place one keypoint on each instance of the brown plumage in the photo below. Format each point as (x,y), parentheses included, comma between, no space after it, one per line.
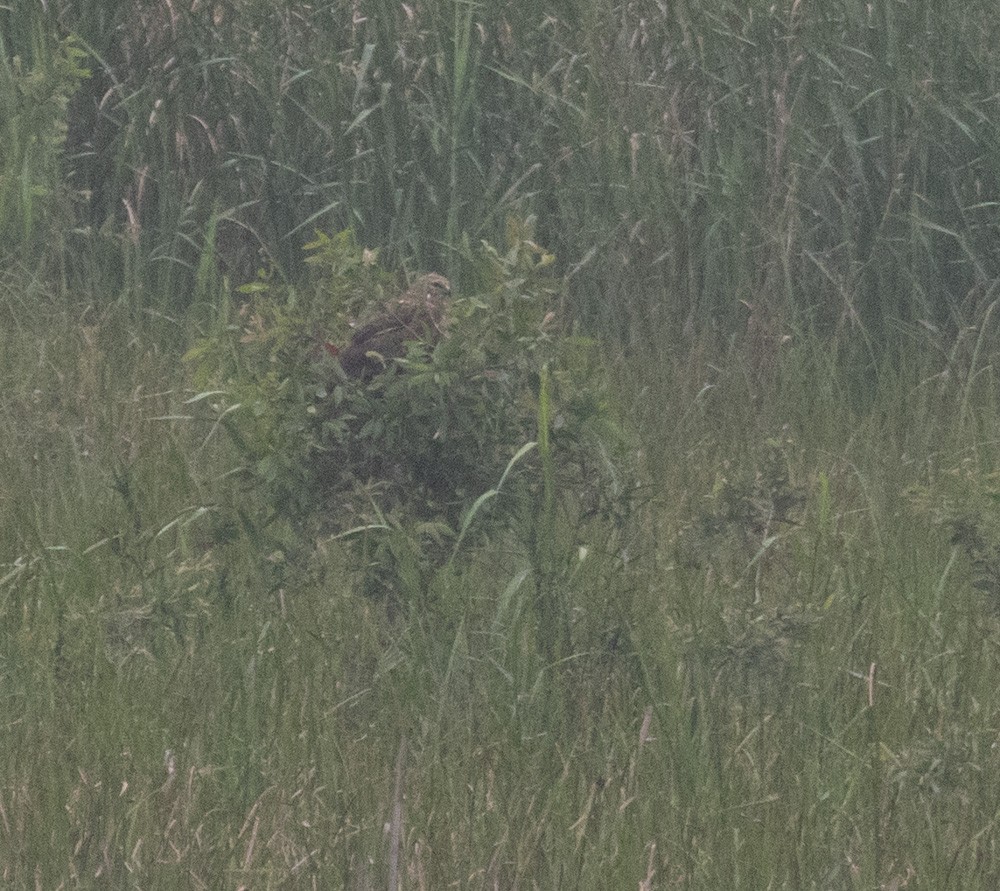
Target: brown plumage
(417,314)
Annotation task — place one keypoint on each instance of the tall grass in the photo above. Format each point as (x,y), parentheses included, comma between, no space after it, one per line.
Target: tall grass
(775,658)
(780,667)
(688,166)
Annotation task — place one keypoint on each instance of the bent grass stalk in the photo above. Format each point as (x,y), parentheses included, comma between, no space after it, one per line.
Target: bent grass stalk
(553,628)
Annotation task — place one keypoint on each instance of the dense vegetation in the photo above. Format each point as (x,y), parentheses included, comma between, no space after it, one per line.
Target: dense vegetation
(675,564)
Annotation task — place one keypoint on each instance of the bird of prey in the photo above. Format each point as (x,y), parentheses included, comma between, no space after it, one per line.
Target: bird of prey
(416,314)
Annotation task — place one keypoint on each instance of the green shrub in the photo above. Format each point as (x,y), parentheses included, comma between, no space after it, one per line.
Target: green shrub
(439,429)
(34,96)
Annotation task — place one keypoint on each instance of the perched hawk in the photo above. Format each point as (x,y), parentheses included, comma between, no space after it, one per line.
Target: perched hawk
(417,314)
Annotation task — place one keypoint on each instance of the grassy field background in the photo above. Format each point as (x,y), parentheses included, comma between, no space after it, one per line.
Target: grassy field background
(780,224)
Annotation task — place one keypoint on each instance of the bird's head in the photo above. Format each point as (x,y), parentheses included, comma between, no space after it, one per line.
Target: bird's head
(431,286)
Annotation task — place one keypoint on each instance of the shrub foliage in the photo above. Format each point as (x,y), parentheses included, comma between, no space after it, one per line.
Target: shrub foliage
(442,426)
